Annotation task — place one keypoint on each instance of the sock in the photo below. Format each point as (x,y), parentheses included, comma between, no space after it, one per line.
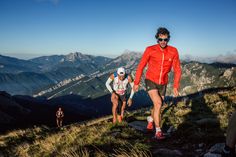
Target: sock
(149,119)
(158,129)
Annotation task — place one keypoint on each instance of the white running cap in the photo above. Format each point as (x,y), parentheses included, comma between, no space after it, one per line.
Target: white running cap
(121,71)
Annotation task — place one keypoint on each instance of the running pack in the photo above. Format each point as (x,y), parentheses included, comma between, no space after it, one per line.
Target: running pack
(120,86)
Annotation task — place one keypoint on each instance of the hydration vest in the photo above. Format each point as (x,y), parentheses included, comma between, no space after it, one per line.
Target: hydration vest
(120,86)
(60,114)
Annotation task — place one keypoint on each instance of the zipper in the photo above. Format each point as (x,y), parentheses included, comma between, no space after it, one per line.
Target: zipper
(161,66)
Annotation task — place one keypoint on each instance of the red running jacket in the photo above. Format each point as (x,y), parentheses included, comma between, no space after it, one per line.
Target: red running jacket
(160,61)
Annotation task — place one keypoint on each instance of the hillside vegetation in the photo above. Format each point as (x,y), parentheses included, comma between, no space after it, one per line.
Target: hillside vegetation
(194,123)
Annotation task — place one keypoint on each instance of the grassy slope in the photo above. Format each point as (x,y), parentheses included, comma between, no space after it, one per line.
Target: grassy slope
(201,119)
(97,140)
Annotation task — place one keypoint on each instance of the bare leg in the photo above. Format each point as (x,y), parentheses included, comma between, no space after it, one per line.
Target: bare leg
(58,125)
(119,117)
(114,100)
(153,110)
(157,101)
(123,108)
(61,123)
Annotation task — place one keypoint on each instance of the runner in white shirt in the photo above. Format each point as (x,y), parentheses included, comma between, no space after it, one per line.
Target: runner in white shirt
(118,92)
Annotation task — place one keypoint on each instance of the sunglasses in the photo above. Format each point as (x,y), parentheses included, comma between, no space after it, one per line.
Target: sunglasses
(165,39)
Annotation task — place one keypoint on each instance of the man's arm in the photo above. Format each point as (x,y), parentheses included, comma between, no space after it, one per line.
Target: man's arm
(131,85)
(177,73)
(141,66)
(108,82)
(132,90)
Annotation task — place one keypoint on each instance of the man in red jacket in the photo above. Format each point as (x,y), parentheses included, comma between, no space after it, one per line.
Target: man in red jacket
(161,58)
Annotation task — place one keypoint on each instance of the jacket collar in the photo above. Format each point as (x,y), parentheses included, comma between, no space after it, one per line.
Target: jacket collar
(158,47)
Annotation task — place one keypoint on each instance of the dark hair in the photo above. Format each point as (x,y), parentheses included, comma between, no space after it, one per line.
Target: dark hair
(162,30)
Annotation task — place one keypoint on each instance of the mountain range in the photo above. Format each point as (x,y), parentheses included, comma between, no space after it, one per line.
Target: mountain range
(228,58)
(33,89)
(55,75)
(196,76)
(30,76)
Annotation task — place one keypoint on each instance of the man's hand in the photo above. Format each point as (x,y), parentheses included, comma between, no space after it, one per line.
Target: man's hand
(135,88)
(129,102)
(176,92)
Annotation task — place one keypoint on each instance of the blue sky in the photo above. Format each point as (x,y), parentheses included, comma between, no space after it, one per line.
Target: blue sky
(30,28)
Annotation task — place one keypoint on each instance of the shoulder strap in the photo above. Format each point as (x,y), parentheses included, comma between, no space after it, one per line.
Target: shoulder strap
(115,74)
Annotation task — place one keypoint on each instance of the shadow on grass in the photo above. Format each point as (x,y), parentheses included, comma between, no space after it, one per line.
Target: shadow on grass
(195,120)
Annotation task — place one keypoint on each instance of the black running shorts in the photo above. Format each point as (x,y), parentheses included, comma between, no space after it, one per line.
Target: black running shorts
(152,85)
(122,97)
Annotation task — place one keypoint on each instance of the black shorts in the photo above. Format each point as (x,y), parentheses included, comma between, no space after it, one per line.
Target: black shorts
(59,118)
(122,97)
(152,85)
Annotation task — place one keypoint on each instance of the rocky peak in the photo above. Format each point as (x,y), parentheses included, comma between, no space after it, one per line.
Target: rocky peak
(76,56)
(228,72)
(131,55)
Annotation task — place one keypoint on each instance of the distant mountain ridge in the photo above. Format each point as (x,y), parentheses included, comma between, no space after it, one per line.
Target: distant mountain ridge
(76,59)
(30,76)
(14,65)
(54,75)
(228,58)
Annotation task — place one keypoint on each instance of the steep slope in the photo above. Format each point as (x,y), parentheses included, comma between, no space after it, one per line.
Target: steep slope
(195,123)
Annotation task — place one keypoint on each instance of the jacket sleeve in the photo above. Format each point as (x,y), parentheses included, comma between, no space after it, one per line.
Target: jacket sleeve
(177,70)
(141,66)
